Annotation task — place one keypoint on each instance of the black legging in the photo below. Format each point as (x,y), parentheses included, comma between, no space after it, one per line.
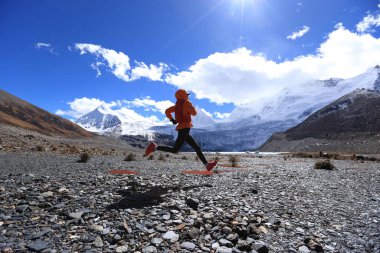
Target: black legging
(184,135)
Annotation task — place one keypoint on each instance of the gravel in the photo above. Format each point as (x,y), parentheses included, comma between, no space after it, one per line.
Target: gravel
(51,203)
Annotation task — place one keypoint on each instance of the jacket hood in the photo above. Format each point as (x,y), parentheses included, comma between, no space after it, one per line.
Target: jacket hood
(181,94)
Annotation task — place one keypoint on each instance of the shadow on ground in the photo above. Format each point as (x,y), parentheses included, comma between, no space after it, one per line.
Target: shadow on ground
(135,198)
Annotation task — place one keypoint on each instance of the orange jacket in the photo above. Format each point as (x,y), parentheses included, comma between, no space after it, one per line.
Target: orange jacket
(188,109)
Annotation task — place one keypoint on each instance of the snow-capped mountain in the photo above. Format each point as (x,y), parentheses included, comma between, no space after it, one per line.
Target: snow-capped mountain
(349,124)
(299,102)
(99,120)
(123,121)
(249,125)
(202,119)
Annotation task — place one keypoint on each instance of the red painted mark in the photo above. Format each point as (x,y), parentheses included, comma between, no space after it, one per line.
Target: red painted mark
(121,172)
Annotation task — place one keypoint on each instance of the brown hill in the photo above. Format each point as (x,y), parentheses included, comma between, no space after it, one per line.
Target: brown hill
(17,112)
(349,124)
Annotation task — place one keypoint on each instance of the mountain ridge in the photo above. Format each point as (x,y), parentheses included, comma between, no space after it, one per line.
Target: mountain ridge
(17,112)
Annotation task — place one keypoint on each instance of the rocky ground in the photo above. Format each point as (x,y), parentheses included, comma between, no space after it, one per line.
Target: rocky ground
(51,203)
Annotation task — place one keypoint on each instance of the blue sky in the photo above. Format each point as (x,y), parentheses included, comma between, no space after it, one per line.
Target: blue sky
(70,56)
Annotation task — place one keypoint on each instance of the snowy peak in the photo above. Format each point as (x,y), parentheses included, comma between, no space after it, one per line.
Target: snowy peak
(202,119)
(99,119)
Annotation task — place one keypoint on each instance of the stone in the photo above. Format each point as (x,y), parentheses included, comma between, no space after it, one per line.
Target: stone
(47,194)
(171,236)
(188,245)
(156,241)
(192,203)
(260,247)
(38,245)
(223,250)
(263,230)
(105,231)
(318,248)
(7,250)
(303,249)
(122,249)
(95,227)
(63,190)
(208,216)
(149,249)
(215,245)
(76,215)
(300,230)
(98,242)
(194,233)
(224,242)
(22,208)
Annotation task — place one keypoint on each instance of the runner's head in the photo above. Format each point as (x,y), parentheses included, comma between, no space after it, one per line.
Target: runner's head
(182,94)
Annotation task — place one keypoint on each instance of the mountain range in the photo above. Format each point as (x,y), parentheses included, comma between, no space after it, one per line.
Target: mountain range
(249,125)
(350,124)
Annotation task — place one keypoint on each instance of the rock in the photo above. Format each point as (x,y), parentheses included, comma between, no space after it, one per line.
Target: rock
(254,191)
(105,231)
(215,245)
(95,227)
(63,190)
(161,229)
(38,246)
(47,194)
(194,233)
(329,248)
(7,250)
(233,237)
(223,250)
(149,249)
(300,230)
(22,208)
(188,245)
(303,249)
(122,249)
(156,241)
(318,248)
(263,230)
(224,242)
(192,203)
(171,236)
(208,216)
(76,215)
(40,234)
(260,247)
(98,243)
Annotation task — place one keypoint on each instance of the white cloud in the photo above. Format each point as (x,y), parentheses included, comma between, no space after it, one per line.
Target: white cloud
(149,104)
(299,34)
(367,23)
(47,46)
(243,76)
(119,64)
(81,106)
(219,115)
(121,108)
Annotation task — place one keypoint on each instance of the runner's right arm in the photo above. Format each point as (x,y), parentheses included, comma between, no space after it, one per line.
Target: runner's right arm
(169,111)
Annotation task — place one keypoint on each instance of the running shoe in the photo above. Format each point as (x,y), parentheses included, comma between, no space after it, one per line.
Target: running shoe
(150,149)
(211,165)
